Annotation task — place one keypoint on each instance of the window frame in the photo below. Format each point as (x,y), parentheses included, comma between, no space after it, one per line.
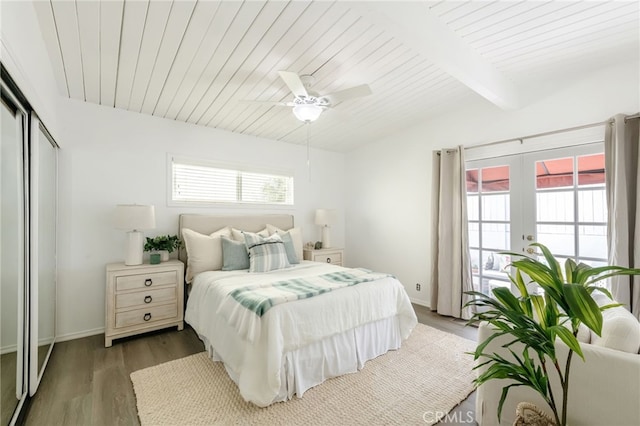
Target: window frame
(238,167)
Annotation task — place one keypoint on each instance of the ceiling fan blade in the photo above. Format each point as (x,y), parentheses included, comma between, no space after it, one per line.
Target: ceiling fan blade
(350,93)
(267,103)
(292,80)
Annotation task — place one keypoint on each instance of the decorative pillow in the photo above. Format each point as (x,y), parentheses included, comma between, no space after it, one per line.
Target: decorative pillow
(620,330)
(204,252)
(234,255)
(289,248)
(237,234)
(296,238)
(266,254)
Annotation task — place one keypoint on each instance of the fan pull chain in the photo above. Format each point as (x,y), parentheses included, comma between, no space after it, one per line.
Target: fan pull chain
(308,157)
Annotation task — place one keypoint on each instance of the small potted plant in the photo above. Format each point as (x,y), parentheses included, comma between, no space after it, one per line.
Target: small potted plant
(163,244)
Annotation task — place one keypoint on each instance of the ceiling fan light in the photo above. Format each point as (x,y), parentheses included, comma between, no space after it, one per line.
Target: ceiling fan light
(307,112)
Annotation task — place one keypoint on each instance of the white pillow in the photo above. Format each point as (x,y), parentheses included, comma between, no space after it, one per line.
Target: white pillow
(237,234)
(296,237)
(620,331)
(204,252)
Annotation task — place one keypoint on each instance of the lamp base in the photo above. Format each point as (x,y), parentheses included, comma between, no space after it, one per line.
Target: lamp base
(326,239)
(135,240)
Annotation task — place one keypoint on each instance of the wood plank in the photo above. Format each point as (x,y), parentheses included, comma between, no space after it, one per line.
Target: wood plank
(195,38)
(234,60)
(426,33)
(110,26)
(157,18)
(134,19)
(89,30)
(44,12)
(571,28)
(259,60)
(346,28)
(67,26)
(272,88)
(172,39)
(225,17)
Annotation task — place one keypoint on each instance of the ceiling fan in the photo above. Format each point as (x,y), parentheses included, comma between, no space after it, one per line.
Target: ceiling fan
(307,105)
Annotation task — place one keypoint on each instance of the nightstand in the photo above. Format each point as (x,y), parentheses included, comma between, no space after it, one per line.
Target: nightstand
(335,256)
(143,298)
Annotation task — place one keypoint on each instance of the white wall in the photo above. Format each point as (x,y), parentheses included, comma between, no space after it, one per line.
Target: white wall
(113,156)
(388,221)
(25,56)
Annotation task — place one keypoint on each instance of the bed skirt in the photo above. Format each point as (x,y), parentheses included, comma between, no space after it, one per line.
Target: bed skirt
(334,356)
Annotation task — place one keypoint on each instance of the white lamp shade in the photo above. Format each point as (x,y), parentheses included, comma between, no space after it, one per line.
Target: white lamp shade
(324,217)
(134,217)
(307,112)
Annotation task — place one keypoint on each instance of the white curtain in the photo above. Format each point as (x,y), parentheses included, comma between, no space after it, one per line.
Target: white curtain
(451,275)
(622,156)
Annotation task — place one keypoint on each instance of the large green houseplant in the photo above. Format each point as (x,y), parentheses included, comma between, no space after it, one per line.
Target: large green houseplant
(536,320)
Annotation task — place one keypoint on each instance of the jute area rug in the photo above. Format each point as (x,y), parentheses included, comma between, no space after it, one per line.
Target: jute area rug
(416,384)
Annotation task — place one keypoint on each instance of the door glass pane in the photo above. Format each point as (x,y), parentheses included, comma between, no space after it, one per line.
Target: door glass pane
(474,234)
(591,170)
(495,207)
(496,236)
(560,239)
(555,206)
(473,211)
(475,261)
(592,205)
(472,180)
(592,241)
(557,173)
(495,179)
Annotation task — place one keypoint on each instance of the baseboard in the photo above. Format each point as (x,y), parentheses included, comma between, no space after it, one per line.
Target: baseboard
(79,334)
(419,302)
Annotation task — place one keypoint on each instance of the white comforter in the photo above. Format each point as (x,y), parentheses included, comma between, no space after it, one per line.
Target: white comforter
(257,366)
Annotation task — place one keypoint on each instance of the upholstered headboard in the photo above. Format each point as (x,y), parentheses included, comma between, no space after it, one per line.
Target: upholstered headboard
(207,224)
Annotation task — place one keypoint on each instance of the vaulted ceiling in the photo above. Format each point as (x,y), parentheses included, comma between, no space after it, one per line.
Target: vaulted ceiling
(197,61)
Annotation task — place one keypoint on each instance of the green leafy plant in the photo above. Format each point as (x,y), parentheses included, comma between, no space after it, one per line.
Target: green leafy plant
(163,242)
(536,320)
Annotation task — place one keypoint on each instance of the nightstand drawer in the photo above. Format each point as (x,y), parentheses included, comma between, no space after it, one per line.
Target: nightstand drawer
(151,279)
(150,297)
(334,258)
(146,315)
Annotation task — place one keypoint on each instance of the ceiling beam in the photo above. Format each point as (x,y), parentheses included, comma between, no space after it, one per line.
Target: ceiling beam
(413,24)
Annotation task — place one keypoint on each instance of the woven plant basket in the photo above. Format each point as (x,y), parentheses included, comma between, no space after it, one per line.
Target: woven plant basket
(528,414)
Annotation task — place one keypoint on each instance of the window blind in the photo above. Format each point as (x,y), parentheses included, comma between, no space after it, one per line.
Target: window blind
(195,182)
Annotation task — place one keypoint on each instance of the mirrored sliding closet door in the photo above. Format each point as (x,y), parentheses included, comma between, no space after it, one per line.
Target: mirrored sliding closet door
(13,257)
(43,218)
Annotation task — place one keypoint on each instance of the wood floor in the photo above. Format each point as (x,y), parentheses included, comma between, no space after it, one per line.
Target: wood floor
(88,384)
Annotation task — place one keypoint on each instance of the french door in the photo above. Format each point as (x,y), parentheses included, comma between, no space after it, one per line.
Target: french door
(555,197)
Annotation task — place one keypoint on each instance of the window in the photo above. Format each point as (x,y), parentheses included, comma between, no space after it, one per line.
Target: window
(555,197)
(201,182)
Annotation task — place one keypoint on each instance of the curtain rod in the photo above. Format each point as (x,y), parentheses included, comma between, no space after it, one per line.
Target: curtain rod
(552,132)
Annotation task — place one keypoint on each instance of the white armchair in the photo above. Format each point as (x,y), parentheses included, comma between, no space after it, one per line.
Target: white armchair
(603,390)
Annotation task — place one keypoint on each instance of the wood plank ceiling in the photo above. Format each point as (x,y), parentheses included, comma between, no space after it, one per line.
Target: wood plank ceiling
(196,61)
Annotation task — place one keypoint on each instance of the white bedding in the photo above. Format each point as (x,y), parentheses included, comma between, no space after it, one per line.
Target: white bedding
(265,369)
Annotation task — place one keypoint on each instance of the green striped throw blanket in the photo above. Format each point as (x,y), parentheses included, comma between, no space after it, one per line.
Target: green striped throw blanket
(259,299)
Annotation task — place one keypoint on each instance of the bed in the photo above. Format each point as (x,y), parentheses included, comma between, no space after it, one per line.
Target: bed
(275,354)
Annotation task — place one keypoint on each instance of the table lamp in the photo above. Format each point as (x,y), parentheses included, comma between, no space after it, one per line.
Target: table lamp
(133,218)
(324,218)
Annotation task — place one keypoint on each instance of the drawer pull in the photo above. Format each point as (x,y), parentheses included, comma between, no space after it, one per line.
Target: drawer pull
(148,299)
(147,316)
(148,282)
(328,260)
